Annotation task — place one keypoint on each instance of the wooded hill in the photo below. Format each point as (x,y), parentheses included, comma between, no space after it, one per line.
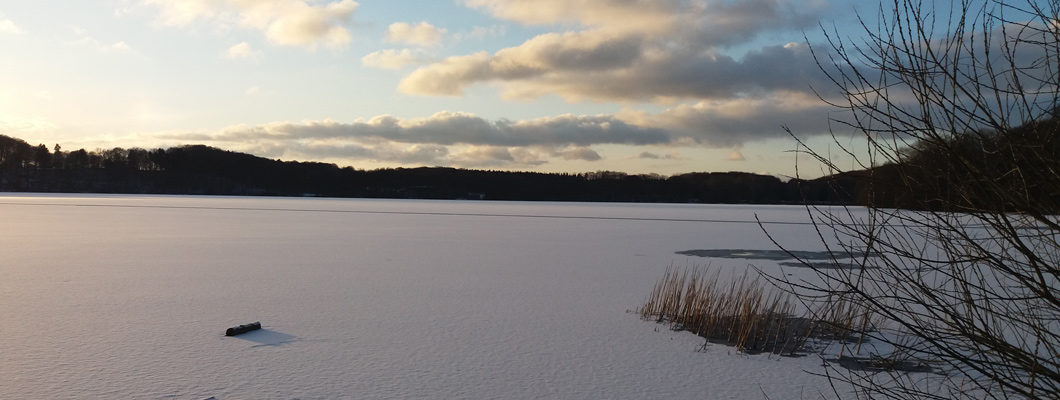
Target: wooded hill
(921,179)
(203,170)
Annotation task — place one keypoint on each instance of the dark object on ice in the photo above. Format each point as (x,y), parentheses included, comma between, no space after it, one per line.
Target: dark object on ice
(253,326)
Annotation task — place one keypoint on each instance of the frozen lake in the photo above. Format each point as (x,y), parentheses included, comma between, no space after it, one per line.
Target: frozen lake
(129,297)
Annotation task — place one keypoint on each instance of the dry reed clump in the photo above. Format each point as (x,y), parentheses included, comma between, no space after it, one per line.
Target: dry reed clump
(744,314)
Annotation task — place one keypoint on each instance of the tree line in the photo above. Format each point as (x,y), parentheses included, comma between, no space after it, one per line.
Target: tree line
(927,177)
(199,169)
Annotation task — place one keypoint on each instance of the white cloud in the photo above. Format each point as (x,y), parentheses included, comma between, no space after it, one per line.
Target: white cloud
(16,125)
(242,51)
(617,14)
(421,34)
(103,47)
(736,155)
(284,22)
(8,26)
(119,46)
(390,59)
(448,77)
(481,32)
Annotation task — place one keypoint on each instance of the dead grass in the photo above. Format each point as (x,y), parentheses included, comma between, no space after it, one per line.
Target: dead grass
(746,313)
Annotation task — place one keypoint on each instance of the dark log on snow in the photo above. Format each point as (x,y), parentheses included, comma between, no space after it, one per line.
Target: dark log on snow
(253,326)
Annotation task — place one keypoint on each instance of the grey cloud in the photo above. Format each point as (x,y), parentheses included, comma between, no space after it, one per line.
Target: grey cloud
(490,156)
(634,51)
(761,121)
(579,153)
(652,156)
(416,154)
(574,51)
(734,22)
(467,140)
(699,76)
(648,155)
(457,128)
(622,69)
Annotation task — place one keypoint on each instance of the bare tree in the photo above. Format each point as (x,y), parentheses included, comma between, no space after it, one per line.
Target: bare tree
(958,109)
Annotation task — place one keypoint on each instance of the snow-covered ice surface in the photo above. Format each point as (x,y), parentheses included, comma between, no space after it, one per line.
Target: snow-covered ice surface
(129,297)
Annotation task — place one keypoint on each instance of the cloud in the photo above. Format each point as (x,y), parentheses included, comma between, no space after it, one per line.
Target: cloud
(387,152)
(448,77)
(391,59)
(242,51)
(445,138)
(284,22)
(421,34)
(652,156)
(632,50)
(463,139)
(649,156)
(736,155)
(579,153)
(716,123)
(488,156)
(453,128)
(724,123)
(8,26)
(481,32)
(119,46)
(25,124)
(627,14)
(102,47)
(709,22)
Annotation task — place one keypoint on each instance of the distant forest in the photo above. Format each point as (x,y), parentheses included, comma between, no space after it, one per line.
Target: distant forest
(204,170)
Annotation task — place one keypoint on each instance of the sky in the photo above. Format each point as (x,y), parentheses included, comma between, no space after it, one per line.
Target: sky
(638,86)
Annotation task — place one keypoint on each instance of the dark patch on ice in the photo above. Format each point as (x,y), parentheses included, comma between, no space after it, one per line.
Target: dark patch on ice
(266,337)
(875,363)
(826,265)
(775,255)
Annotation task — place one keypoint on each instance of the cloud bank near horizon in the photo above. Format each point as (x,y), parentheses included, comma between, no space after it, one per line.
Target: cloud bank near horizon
(465,139)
